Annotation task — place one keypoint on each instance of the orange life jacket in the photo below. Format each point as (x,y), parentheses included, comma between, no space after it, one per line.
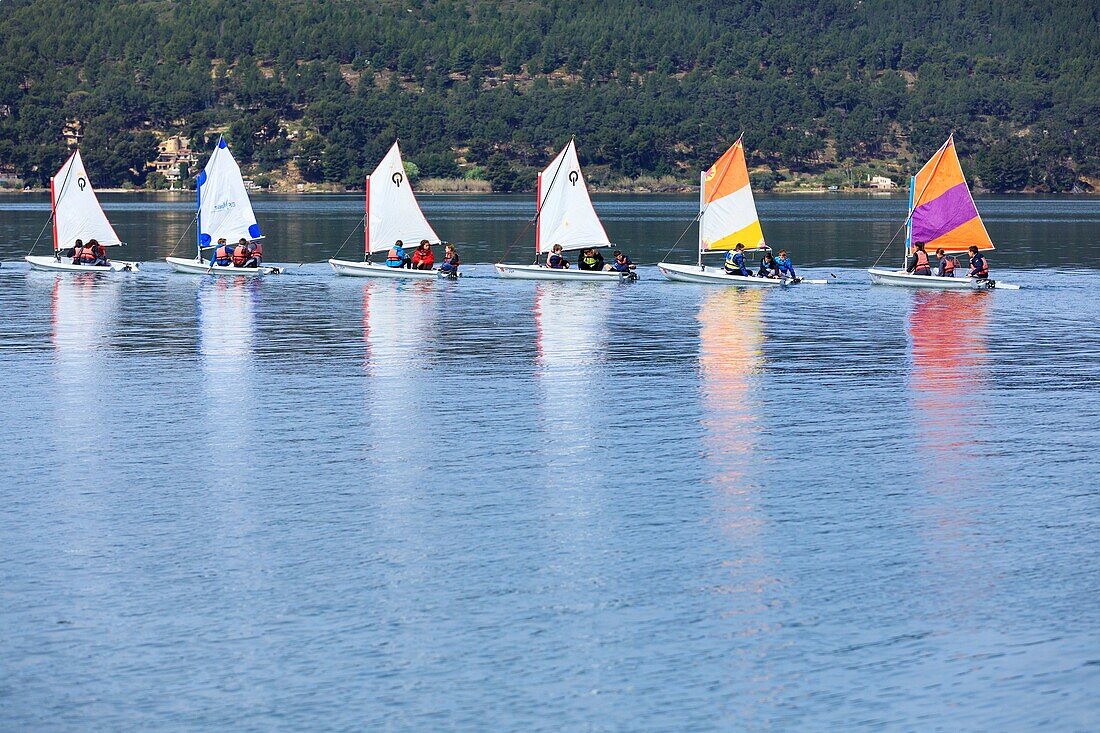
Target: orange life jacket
(240,255)
(86,255)
(948,265)
(258,251)
(984,270)
(392,254)
(922,265)
(223,253)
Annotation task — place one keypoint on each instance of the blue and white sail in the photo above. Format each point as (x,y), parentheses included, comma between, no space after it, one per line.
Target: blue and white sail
(223,206)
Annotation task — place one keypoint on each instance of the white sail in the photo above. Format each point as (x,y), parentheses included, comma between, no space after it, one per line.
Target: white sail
(566,216)
(77,213)
(392,211)
(224,208)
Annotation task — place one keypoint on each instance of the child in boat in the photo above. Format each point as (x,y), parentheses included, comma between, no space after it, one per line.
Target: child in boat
(72,252)
(622,263)
(590,259)
(735,262)
(556,260)
(450,263)
(947,264)
(979,268)
(222,256)
(786,267)
(255,255)
(422,258)
(918,261)
(100,253)
(768,267)
(396,257)
(241,253)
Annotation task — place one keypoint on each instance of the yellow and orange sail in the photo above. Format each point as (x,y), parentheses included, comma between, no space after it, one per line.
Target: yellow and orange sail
(942,211)
(727,209)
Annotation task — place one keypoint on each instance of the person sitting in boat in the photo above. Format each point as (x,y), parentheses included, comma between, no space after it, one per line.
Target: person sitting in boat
(223,254)
(100,253)
(947,264)
(786,267)
(72,253)
(396,257)
(979,268)
(735,262)
(556,260)
(450,263)
(622,263)
(423,258)
(255,255)
(768,267)
(590,259)
(918,261)
(241,253)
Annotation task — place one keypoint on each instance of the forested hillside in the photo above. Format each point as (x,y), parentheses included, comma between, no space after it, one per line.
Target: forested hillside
(317,91)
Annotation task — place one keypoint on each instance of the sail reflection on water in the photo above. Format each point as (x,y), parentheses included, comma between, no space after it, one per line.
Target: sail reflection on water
(948,373)
(731,359)
(948,366)
(571,325)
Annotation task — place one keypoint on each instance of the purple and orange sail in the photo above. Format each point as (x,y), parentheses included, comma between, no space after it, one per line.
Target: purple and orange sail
(942,212)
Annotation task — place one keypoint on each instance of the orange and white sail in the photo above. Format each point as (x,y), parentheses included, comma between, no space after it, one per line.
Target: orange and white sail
(727,211)
(942,211)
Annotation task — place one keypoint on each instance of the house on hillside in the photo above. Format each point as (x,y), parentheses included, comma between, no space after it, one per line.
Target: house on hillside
(173,152)
(881,182)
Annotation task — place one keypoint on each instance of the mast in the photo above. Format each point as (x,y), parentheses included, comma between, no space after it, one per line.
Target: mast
(53,212)
(909,223)
(538,218)
(702,206)
(366,224)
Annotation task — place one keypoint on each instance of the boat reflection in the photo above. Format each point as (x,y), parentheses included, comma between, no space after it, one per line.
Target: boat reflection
(571,324)
(947,336)
(82,309)
(947,376)
(731,359)
(399,319)
(225,309)
(731,366)
(399,322)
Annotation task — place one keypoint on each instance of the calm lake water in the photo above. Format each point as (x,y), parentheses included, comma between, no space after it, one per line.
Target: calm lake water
(319,503)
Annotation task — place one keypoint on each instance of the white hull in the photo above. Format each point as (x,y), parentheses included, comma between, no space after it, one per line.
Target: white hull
(717,276)
(66,265)
(538,272)
(901,278)
(370,269)
(198,267)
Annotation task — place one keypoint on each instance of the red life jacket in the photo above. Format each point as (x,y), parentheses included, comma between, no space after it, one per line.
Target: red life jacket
(240,255)
(922,266)
(949,265)
(423,259)
(223,253)
(258,251)
(86,255)
(984,271)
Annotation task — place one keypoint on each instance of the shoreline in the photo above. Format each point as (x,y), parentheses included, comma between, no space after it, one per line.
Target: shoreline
(594,190)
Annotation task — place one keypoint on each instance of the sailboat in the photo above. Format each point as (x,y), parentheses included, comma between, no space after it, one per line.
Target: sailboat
(223,211)
(942,214)
(564,216)
(727,217)
(77,215)
(391,214)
